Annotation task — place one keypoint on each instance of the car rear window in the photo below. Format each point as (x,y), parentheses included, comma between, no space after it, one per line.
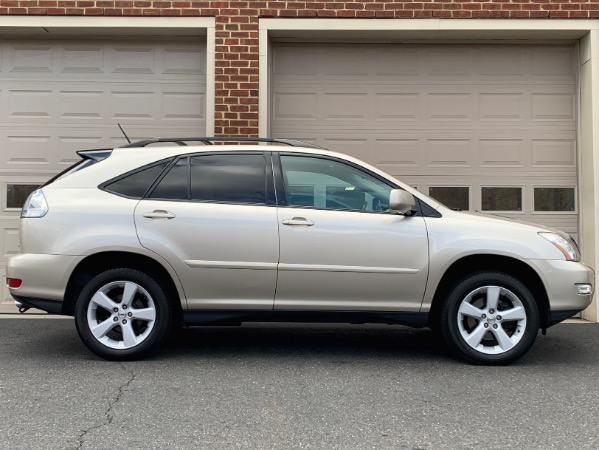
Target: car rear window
(89,158)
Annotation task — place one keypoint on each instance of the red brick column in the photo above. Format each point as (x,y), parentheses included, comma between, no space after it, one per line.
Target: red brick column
(236,72)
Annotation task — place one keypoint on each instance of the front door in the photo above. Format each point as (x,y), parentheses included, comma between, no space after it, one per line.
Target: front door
(340,248)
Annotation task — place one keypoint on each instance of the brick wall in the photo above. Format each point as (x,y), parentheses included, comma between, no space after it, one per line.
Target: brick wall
(236,100)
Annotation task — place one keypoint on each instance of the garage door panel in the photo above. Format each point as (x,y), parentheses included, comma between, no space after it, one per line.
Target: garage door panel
(51,149)
(439,64)
(113,61)
(554,153)
(392,62)
(553,108)
(9,232)
(75,103)
(553,62)
(449,153)
(402,106)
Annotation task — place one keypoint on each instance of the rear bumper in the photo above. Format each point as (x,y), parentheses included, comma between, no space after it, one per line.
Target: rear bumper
(44,279)
(50,306)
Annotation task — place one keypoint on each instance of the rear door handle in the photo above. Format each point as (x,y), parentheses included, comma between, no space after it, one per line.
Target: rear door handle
(159,214)
(298,222)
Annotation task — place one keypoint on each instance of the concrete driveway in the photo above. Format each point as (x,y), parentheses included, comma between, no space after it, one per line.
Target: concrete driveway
(294,386)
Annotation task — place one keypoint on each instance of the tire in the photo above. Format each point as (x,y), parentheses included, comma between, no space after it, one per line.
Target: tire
(122,314)
(490,318)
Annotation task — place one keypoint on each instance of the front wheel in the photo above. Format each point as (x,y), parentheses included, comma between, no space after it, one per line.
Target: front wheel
(490,318)
(122,314)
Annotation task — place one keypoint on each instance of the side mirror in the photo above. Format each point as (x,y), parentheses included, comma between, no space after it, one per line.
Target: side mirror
(402,201)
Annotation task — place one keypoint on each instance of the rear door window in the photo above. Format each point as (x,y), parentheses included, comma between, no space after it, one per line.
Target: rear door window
(226,178)
(137,183)
(222,178)
(175,184)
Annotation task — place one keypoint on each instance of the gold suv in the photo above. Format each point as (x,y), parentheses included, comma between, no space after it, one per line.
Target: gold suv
(134,240)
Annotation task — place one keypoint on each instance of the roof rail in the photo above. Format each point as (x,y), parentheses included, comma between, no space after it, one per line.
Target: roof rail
(209,141)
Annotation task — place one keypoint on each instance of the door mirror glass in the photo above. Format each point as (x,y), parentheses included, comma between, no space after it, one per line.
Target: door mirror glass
(402,201)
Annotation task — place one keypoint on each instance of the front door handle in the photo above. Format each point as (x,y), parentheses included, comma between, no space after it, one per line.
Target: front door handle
(298,222)
(159,214)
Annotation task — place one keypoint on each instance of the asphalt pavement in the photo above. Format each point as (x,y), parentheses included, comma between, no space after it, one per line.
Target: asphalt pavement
(294,386)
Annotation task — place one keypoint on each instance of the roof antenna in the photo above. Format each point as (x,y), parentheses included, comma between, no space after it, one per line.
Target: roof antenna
(124,134)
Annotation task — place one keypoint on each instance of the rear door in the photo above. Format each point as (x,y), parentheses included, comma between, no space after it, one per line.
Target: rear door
(213,218)
(340,247)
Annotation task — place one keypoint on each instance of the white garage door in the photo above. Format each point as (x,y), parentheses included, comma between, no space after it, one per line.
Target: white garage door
(58,97)
(490,128)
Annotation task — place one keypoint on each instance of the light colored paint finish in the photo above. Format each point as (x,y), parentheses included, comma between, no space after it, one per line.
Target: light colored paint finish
(81,27)
(210,245)
(233,233)
(352,261)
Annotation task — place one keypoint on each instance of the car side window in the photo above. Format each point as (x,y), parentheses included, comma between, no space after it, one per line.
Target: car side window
(228,178)
(330,184)
(175,184)
(239,178)
(137,183)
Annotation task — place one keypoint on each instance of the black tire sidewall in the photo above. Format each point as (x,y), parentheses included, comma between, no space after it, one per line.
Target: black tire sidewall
(162,322)
(449,317)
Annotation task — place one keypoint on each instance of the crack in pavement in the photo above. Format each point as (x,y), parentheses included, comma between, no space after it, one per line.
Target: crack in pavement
(109,411)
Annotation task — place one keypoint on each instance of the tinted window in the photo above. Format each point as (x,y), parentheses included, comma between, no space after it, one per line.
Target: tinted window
(136,184)
(454,197)
(324,183)
(229,178)
(501,198)
(175,184)
(555,199)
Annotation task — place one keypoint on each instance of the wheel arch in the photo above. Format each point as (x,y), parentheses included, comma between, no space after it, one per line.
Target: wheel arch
(477,263)
(100,262)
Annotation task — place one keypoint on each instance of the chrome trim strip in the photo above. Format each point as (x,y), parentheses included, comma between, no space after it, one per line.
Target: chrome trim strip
(357,269)
(230,265)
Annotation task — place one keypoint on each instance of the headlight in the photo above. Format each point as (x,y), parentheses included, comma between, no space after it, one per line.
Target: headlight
(564,245)
(35,205)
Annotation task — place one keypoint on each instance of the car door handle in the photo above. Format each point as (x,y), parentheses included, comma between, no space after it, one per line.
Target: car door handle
(159,214)
(298,222)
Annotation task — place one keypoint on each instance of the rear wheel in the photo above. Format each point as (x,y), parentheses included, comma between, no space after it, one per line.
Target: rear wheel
(122,314)
(490,318)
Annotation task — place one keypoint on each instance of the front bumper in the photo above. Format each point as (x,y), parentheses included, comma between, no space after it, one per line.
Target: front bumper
(561,280)
(45,279)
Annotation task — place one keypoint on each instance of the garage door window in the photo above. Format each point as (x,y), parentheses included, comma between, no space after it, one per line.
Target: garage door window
(16,194)
(558,199)
(455,197)
(501,198)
